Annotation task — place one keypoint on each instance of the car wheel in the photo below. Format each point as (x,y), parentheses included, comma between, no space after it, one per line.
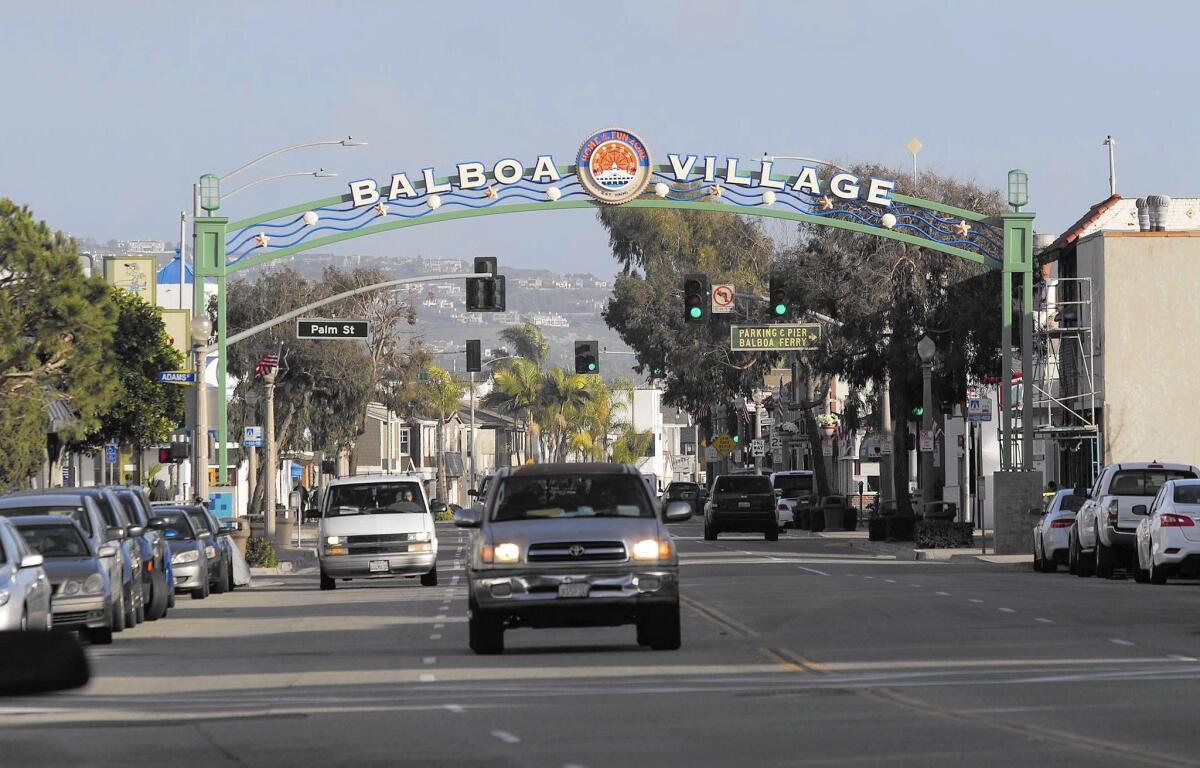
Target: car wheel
(221,585)
(158,596)
(1083,565)
(1104,560)
(170,599)
(327,583)
(229,578)
(1037,556)
(1048,564)
(201,592)
(429,579)
(118,615)
(1140,574)
(710,532)
(140,613)
(773,534)
(24,625)
(664,634)
(99,635)
(485,634)
(1157,575)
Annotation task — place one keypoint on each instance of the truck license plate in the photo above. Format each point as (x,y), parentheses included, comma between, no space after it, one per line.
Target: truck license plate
(573,590)
(378,566)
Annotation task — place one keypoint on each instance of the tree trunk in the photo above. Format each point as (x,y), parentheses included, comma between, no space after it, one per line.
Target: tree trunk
(439,459)
(260,485)
(900,457)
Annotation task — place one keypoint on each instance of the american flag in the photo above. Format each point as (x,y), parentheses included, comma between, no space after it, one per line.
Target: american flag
(266,364)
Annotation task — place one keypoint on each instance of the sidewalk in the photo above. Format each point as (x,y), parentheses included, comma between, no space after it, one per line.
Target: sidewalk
(905,551)
(292,559)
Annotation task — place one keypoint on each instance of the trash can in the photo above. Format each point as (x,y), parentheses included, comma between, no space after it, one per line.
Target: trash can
(283,527)
(833,509)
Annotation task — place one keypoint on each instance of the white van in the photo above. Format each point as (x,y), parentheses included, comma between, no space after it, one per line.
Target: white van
(376,526)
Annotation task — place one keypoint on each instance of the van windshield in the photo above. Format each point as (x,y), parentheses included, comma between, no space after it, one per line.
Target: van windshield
(793,486)
(374,498)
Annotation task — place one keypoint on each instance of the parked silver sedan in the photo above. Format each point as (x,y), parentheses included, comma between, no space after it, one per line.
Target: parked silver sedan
(560,545)
(24,588)
(1051,535)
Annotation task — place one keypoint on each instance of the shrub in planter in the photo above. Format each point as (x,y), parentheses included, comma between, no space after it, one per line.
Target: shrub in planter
(942,534)
(260,552)
(816,520)
(850,518)
(899,528)
(877,528)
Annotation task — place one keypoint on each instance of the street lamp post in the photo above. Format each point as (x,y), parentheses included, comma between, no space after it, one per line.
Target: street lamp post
(925,350)
(272,461)
(201,330)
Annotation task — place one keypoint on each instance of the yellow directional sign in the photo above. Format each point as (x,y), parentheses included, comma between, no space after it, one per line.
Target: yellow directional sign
(724,444)
(790,337)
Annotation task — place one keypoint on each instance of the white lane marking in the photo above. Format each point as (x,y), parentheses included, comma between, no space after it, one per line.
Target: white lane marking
(428,679)
(506,737)
(868,577)
(429,660)
(915,586)
(457,709)
(943,594)
(1180,657)
(435,637)
(975,600)
(1044,621)
(439,626)
(812,570)
(441,615)
(1119,641)
(890,581)
(1006,610)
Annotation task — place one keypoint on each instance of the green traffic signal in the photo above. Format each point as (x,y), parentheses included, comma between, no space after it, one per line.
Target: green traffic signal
(737,438)
(591,366)
(918,411)
(781,309)
(695,313)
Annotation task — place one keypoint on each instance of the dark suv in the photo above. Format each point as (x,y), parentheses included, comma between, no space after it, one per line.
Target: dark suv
(741,503)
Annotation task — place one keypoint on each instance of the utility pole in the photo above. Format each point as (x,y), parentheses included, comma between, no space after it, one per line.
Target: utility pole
(925,350)
(201,328)
(1111,143)
(757,433)
(471,436)
(887,489)
(272,467)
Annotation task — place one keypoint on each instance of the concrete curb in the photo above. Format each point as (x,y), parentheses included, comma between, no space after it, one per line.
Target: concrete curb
(904,551)
(290,562)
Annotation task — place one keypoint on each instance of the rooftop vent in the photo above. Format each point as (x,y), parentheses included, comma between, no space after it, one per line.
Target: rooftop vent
(1158,205)
(1143,215)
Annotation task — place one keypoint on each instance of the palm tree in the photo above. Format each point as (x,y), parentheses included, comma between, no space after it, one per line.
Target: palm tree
(526,341)
(562,398)
(516,392)
(443,394)
(630,446)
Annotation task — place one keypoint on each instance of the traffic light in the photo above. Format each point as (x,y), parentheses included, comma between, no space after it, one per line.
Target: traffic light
(474,356)
(164,455)
(916,413)
(778,299)
(174,452)
(696,297)
(486,294)
(587,357)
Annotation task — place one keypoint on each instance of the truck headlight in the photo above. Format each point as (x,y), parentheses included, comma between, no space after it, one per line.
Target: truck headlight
(334,540)
(423,536)
(652,549)
(508,553)
(93,585)
(189,556)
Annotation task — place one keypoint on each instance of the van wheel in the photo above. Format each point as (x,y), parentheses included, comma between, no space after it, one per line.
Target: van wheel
(327,583)
(429,579)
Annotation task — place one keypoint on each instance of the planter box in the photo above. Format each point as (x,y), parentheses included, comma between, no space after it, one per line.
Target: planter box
(835,518)
(943,534)
(877,528)
(899,528)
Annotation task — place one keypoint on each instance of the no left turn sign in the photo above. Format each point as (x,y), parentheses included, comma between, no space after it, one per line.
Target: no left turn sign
(722,298)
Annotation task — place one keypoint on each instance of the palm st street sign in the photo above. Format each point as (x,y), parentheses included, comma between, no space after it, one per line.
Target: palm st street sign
(321,328)
(792,337)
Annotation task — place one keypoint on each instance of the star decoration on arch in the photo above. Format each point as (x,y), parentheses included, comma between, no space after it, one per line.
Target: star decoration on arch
(825,203)
(962,228)
(381,209)
(261,240)
(714,190)
(491,193)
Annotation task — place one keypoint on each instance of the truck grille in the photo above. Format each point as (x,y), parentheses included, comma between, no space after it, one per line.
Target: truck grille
(576,551)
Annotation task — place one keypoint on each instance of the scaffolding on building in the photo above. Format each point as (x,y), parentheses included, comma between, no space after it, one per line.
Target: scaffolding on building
(1064,380)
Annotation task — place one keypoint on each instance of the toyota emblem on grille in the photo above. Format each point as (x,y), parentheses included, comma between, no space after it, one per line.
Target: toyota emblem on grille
(576,550)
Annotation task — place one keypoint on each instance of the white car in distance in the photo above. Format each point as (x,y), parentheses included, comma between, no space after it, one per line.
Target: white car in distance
(1168,534)
(1051,535)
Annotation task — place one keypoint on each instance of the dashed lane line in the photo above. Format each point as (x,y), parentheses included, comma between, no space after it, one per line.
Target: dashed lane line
(429,660)
(1044,621)
(1119,641)
(428,678)
(812,570)
(1006,610)
(435,637)
(506,737)
(456,709)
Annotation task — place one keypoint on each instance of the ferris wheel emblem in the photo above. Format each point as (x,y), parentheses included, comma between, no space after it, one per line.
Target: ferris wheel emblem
(613,166)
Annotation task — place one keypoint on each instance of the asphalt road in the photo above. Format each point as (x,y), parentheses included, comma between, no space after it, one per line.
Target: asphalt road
(800,652)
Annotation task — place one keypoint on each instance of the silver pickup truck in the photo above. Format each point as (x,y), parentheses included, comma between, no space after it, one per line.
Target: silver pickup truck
(565,545)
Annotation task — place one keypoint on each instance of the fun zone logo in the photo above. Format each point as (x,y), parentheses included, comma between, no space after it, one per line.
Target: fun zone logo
(613,166)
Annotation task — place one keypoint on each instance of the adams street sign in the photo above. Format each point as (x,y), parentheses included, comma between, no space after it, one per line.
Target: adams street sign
(793,337)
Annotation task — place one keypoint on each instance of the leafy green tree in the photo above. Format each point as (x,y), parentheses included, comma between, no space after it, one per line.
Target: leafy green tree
(442,395)
(630,446)
(56,329)
(561,402)
(526,341)
(146,411)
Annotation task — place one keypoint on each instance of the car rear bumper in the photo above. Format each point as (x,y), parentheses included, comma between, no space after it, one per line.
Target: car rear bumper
(751,521)
(359,566)
(80,612)
(613,597)
(1111,537)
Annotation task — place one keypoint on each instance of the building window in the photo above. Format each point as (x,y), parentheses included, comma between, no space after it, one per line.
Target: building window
(404,441)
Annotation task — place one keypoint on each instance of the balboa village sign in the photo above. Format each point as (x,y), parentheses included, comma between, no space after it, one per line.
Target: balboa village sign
(613,166)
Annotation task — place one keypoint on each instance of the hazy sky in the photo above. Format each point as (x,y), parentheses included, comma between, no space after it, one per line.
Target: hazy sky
(112,109)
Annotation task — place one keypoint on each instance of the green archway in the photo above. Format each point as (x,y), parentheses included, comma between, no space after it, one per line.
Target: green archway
(224,248)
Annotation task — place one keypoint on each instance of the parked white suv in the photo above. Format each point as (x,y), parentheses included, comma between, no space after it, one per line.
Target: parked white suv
(1103,536)
(376,526)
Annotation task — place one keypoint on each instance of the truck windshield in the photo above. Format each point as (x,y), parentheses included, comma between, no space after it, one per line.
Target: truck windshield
(793,486)
(539,498)
(374,498)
